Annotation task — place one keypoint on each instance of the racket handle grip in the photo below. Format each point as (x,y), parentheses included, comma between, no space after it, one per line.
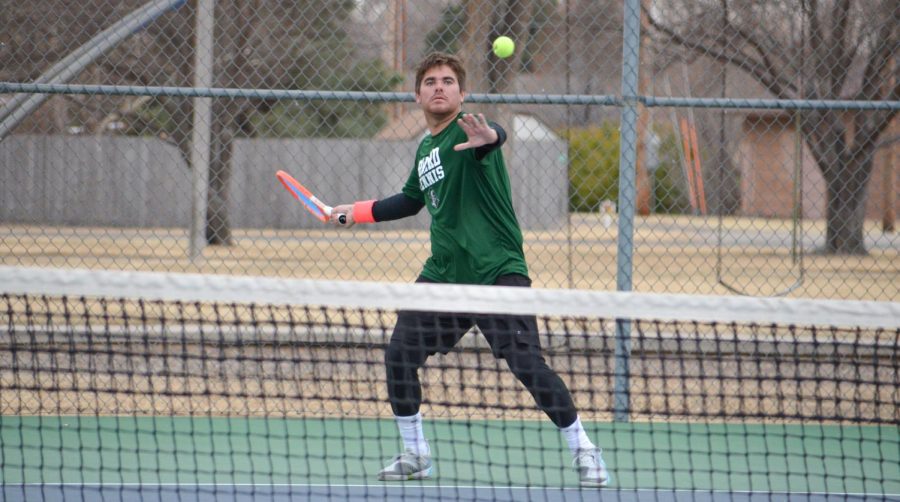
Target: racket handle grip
(342,219)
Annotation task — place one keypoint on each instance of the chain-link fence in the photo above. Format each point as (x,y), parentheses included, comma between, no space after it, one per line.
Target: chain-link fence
(759,138)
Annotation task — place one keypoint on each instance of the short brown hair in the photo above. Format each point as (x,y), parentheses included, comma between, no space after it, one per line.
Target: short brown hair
(441,59)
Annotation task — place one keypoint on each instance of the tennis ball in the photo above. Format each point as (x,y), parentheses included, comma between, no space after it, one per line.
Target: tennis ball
(504,47)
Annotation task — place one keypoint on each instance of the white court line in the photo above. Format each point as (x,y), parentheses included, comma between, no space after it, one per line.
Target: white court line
(422,485)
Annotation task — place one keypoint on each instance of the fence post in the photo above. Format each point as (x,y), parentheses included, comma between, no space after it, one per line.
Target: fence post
(627,195)
(201,128)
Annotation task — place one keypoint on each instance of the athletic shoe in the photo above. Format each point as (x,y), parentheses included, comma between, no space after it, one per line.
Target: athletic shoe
(405,466)
(591,468)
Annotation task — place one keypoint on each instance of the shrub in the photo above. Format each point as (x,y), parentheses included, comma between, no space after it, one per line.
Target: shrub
(594,169)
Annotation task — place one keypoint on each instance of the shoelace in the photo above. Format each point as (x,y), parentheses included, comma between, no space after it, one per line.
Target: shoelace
(401,455)
(587,459)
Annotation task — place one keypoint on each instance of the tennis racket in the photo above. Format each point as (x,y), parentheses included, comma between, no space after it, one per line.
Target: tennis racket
(312,204)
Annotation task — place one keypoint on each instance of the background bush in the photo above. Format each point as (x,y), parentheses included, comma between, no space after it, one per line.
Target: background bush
(594,169)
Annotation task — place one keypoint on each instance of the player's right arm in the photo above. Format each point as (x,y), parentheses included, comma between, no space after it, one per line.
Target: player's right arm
(372,211)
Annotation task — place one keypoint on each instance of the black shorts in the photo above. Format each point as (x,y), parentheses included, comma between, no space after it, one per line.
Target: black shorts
(439,332)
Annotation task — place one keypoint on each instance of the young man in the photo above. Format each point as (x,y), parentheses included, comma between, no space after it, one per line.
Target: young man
(460,175)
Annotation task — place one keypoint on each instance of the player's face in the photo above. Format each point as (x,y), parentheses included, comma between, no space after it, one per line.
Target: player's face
(439,93)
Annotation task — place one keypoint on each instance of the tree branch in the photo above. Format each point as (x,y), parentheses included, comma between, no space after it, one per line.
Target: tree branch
(816,40)
(887,44)
(838,58)
(769,77)
(783,84)
(869,127)
(885,142)
(868,130)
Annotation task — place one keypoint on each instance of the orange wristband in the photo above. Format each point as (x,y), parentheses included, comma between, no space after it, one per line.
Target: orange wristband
(362,211)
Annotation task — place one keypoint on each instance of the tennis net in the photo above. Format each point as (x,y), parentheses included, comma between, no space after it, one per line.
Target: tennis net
(146,386)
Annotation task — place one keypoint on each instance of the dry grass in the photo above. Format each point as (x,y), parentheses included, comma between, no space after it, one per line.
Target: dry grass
(297,381)
(672,254)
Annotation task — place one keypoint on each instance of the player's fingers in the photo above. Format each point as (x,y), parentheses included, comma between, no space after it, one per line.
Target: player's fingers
(344,220)
(473,120)
(341,215)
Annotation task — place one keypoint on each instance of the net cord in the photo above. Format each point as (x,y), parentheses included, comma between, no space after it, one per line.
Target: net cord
(448,298)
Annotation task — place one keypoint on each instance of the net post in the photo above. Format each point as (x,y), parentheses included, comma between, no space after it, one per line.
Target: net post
(627,187)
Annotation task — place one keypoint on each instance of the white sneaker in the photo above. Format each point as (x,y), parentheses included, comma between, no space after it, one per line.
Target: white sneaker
(405,466)
(591,468)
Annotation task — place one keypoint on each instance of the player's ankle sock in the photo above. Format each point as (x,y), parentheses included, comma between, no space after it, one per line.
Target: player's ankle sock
(576,437)
(412,434)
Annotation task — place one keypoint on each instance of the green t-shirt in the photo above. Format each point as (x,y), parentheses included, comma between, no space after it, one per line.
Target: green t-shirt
(475,236)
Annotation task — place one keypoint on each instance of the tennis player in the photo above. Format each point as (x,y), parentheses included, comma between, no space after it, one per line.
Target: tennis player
(460,176)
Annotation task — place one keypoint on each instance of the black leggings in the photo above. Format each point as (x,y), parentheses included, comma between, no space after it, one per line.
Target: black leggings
(418,335)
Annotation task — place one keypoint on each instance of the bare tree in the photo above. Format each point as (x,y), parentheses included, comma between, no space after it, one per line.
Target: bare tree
(594,38)
(486,73)
(486,21)
(806,49)
(258,44)
(266,44)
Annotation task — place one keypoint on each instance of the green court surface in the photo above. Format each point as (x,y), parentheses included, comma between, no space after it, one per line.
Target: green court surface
(657,456)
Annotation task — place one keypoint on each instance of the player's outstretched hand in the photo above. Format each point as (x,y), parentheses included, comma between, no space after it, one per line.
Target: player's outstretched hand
(345,210)
(477,129)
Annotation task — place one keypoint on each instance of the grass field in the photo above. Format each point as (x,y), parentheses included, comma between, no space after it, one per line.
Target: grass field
(674,254)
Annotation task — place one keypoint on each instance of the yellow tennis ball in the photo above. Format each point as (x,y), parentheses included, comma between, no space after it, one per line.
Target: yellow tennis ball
(504,47)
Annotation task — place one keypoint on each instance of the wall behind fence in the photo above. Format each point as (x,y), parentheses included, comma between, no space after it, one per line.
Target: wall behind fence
(93,181)
(145,182)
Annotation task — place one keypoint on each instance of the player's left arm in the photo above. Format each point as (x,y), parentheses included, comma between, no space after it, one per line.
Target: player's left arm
(483,136)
